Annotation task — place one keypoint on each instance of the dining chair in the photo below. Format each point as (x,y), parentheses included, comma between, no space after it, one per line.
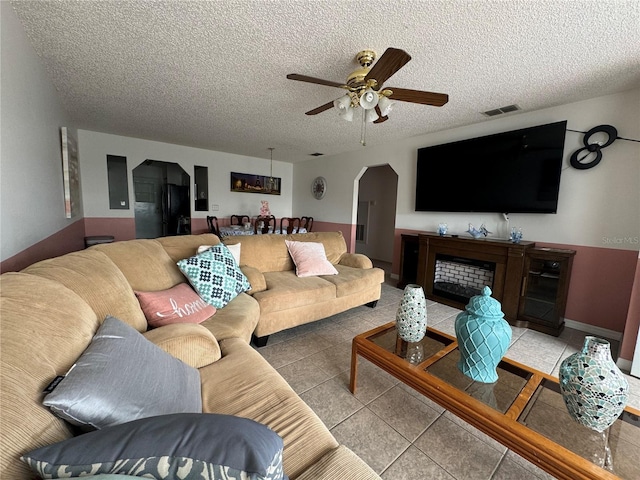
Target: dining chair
(306,223)
(267,222)
(240,219)
(212,222)
(292,225)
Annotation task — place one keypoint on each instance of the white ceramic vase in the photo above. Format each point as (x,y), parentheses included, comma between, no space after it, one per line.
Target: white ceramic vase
(411,318)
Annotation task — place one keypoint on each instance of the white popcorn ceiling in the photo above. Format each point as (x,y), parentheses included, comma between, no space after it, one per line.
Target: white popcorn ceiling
(212,74)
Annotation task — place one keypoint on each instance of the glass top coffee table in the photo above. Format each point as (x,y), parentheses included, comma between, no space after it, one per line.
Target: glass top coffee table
(523,410)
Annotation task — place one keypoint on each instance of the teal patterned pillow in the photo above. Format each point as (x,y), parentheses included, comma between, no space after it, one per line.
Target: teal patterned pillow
(187,446)
(215,275)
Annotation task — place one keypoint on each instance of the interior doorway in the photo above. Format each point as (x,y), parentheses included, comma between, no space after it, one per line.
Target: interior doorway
(162,206)
(376,217)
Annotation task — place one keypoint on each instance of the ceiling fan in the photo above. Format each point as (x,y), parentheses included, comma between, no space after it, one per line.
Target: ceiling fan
(364,87)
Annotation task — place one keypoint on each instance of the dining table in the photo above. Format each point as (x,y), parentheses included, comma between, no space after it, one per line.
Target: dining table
(233,230)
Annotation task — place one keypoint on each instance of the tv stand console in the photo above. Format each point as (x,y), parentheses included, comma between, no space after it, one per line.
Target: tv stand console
(531,283)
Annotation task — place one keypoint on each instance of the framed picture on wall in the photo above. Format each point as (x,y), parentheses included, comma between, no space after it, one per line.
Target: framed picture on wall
(249,183)
(70,173)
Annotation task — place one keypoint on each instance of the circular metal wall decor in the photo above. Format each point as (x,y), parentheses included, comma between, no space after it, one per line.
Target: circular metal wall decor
(319,187)
(593,148)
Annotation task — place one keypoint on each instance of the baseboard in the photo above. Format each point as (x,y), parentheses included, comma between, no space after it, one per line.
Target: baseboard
(592,329)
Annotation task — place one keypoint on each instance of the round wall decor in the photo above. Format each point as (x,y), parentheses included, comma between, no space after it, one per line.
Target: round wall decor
(319,187)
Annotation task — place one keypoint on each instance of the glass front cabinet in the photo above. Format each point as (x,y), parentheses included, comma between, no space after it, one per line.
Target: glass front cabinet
(544,290)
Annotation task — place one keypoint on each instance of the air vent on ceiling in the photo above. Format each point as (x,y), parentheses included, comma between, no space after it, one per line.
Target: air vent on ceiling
(316,154)
(501,110)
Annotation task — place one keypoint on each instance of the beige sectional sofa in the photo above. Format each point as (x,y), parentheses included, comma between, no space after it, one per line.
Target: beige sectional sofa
(286,300)
(51,310)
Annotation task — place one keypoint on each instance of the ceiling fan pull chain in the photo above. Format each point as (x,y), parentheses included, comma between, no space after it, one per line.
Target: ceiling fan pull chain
(363,129)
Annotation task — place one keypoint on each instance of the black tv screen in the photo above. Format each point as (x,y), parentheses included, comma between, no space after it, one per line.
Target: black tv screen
(510,172)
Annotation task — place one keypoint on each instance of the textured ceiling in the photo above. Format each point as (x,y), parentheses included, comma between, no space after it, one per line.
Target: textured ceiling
(213,74)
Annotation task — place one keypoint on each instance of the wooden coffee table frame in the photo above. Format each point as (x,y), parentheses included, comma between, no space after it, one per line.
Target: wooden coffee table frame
(503,427)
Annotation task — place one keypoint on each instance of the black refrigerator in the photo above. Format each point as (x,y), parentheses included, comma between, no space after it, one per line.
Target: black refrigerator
(176,210)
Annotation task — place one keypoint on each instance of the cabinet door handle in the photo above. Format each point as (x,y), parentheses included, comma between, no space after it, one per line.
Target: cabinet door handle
(524,286)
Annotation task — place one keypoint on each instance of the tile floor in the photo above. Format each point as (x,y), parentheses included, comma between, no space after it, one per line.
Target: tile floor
(398,432)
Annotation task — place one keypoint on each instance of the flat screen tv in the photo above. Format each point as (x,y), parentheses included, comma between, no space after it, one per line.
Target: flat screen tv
(510,172)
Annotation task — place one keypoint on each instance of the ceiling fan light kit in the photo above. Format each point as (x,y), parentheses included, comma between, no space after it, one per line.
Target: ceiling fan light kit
(364,88)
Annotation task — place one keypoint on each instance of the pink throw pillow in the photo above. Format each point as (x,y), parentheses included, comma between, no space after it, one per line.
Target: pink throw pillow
(179,304)
(310,259)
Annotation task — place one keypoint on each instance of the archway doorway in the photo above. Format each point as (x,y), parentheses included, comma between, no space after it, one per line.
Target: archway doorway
(162,206)
(376,217)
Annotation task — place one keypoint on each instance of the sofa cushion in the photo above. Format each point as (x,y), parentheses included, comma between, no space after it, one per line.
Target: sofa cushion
(215,275)
(187,446)
(333,242)
(286,290)
(145,264)
(193,344)
(255,277)
(100,283)
(310,259)
(184,246)
(45,327)
(121,377)
(179,304)
(237,320)
(267,253)
(352,280)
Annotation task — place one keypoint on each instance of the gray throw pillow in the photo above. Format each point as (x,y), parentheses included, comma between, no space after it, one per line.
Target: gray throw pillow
(122,376)
(184,446)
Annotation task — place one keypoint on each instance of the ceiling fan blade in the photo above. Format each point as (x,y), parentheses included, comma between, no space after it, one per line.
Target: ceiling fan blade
(320,109)
(418,96)
(318,81)
(392,60)
(380,118)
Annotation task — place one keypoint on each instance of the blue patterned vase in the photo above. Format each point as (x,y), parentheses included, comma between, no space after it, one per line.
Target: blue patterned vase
(411,318)
(593,387)
(483,337)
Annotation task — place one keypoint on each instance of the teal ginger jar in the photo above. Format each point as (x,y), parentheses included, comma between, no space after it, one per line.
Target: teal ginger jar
(483,337)
(593,388)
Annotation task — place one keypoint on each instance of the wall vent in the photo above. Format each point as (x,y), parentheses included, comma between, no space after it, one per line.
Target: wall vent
(316,154)
(501,110)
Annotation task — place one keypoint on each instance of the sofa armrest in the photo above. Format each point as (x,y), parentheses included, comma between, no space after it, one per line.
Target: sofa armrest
(355,260)
(192,343)
(256,279)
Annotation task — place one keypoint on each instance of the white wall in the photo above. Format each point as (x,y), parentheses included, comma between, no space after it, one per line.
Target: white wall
(30,151)
(94,148)
(597,207)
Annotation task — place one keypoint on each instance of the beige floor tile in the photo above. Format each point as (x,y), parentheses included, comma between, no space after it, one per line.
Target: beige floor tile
(415,465)
(280,354)
(303,375)
(333,361)
(332,402)
(458,451)
(430,403)
(405,413)
(536,471)
(477,433)
(371,439)
(371,381)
